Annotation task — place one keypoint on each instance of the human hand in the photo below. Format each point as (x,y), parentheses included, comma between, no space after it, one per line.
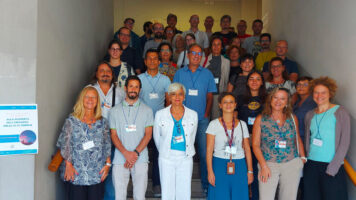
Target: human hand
(70,172)
(249,178)
(211,178)
(264,174)
(104,172)
(131,157)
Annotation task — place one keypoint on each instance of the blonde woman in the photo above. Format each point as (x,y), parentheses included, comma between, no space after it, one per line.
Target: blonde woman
(86,147)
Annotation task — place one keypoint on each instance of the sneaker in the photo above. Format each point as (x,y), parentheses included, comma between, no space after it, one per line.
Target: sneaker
(156,191)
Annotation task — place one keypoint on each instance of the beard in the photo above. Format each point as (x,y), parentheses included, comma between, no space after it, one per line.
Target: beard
(132,95)
(159,35)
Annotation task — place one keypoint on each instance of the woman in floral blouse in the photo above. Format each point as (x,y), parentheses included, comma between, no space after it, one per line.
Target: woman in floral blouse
(86,147)
(167,66)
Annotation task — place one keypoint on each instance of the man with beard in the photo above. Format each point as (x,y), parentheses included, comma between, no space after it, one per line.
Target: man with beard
(158,31)
(147,28)
(266,53)
(131,129)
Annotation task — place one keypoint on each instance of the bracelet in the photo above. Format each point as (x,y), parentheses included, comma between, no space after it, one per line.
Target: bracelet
(304,158)
(250,172)
(108,164)
(138,153)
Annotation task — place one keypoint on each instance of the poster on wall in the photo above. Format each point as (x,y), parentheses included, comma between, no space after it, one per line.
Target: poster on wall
(18,129)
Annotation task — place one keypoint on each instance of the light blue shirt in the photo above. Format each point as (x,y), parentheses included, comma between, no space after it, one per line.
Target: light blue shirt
(153,91)
(203,81)
(326,123)
(178,132)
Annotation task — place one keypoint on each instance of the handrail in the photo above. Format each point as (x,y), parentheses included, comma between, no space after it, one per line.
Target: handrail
(350,171)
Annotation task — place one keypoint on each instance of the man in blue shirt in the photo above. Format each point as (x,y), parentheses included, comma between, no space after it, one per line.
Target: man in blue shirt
(200,86)
(154,93)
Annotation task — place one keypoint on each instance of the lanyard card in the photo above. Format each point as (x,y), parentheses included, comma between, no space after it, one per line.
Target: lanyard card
(281,144)
(178,139)
(230,150)
(230,168)
(251,120)
(153,95)
(192,92)
(130,128)
(318,142)
(88,145)
(216,80)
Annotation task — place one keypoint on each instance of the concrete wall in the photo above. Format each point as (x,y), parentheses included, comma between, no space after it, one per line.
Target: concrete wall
(321,36)
(72,38)
(157,11)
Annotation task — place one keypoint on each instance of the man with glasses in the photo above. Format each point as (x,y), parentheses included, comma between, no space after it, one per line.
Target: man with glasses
(200,86)
(158,32)
(291,66)
(266,53)
(200,37)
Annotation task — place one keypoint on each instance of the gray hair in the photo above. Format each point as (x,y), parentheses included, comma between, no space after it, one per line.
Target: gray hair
(174,87)
(175,39)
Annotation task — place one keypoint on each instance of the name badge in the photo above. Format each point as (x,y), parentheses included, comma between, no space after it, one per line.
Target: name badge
(88,145)
(153,96)
(280,144)
(130,128)
(216,80)
(317,142)
(251,120)
(231,150)
(178,139)
(192,92)
(230,168)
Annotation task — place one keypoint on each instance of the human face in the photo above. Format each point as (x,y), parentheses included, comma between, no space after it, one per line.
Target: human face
(265,43)
(90,100)
(236,41)
(152,61)
(281,48)
(303,87)
(254,82)
(247,65)
(257,28)
(194,21)
(129,24)
(189,40)
(241,28)
(194,60)
(177,97)
(321,95)
(133,89)
(216,47)
(115,51)
(172,22)
(180,42)
(165,53)
(234,54)
(169,33)
(277,68)
(209,23)
(124,36)
(279,100)
(228,104)
(104,73)
(225,24)
(158,30)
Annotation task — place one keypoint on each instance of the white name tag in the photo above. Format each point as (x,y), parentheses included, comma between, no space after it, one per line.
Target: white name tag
(216,80)
(192,92)
(153,96)
(179,139)
(130,128)
(317,142)
(88,145)
(230,150)
(251,120)
(280,144)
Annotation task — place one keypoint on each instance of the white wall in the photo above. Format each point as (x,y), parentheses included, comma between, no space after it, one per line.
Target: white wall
(322,39)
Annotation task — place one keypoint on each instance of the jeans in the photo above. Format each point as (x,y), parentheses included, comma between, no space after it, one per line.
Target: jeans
(200,138)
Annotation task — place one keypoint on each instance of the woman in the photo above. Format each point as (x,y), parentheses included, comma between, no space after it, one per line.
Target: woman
(174,135)
(327,140)
(178,46)
(183,56)
(169,34)
(233,53)
(228,153)
(276,144)
(85,145)
(121,69)
(167,66)
(220,68)
(278,76)
(237,42)
(237,83)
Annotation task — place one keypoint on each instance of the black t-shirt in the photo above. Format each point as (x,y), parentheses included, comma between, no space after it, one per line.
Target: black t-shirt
(234,71)
(226,37)
(248,110)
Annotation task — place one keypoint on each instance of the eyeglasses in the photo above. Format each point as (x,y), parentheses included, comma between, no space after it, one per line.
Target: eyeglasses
(302,84)
(169,31)
(165,50)
(276,66)
(126,35)
(116,49)
(158,29)
(264,40)
(194,53)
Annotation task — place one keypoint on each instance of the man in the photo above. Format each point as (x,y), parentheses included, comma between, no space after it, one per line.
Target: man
(158,32)
(200,37)
(225,33)
(252,44)
(241,30)
(154,93)
(131,129)
(147,28)
(172,22)
(266,54)
(209,23)
(129,55)
(291,66)
(200,86)
(135,39)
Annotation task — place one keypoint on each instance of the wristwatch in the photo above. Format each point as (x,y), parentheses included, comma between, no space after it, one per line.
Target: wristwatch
(138,153)
(108,164)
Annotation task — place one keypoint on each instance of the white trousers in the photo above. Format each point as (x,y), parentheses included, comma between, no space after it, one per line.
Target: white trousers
(121,177)
(176,176)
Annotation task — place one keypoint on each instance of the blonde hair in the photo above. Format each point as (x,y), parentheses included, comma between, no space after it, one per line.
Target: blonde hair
(288,110)
(79,110)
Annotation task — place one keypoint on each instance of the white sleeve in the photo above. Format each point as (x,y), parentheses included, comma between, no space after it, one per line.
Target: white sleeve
(245,130)
(211,130)
(156,131)
(180,59)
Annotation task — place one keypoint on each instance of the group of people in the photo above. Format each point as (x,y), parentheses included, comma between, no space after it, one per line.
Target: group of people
(258,127)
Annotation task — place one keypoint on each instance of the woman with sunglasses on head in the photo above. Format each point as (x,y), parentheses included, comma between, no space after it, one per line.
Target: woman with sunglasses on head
(167,66)
(277,147)
(228,154)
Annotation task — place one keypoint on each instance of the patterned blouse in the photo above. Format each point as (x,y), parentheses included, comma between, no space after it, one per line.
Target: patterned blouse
(72,143)
(168,70)
(271,134)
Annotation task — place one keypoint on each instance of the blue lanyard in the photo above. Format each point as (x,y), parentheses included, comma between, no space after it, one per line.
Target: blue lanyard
(318,136)
(178,125)
(134,122)
(191,77)
(153,86)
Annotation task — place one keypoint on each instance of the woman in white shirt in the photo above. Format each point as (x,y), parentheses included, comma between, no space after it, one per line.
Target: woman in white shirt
(174,135)
(228,154)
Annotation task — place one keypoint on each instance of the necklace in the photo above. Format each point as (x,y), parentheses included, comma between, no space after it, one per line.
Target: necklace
(275,119)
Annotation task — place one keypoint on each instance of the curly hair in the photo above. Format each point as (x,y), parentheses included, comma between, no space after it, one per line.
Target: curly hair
(288,110)
(325,81)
